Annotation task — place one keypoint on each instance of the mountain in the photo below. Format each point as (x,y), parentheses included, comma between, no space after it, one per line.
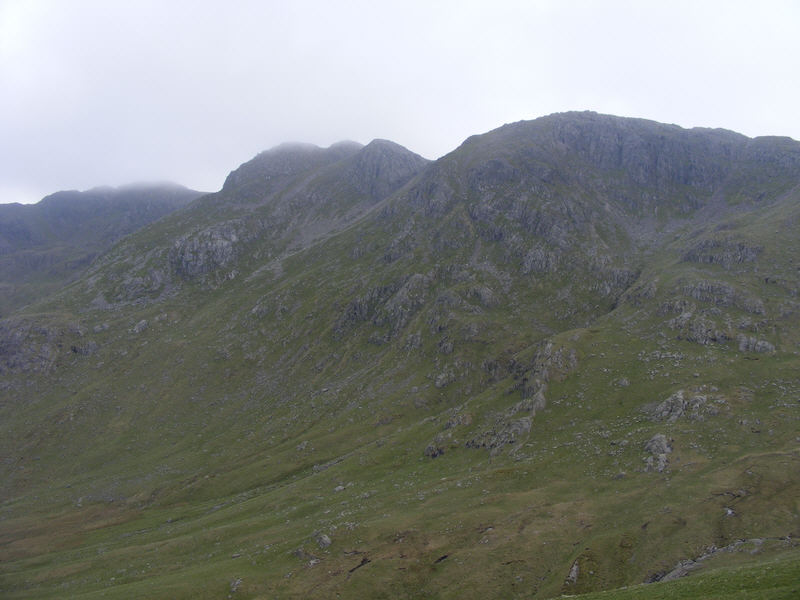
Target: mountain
(561,359)
(46,245)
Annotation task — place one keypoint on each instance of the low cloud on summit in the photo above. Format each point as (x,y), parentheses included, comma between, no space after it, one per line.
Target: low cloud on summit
(95,93)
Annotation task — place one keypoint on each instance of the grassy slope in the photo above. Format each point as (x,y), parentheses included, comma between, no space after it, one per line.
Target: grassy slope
(772,579)
(199,457)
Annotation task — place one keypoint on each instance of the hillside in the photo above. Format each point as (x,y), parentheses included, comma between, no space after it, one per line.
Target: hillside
(561,359)
(46,245)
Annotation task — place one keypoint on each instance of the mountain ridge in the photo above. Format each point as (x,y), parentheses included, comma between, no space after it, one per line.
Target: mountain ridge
(59,236)
(516,371)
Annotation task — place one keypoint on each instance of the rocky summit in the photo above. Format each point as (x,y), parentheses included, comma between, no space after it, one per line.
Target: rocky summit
(564,358)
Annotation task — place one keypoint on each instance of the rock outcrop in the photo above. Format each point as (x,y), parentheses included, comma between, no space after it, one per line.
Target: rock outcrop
(659,448)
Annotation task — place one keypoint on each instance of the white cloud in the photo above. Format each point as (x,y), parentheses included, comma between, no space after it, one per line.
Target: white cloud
(97,92)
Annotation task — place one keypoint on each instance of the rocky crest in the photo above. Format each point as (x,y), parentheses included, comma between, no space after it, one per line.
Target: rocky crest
(278,203)
(46,245)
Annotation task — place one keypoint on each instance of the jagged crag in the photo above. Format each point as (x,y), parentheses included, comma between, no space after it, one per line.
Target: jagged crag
(562,358)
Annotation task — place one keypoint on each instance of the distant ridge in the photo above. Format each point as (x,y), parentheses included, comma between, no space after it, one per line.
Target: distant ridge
(45,245)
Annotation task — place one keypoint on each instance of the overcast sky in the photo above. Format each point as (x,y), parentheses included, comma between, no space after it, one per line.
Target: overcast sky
(111,92)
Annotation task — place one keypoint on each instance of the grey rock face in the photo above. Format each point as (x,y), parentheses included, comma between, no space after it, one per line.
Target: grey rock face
(539,260)
(506,432)
(393,304)
(751,344)
(647,151)
(689,405)
(722,294)
(725,252)
(574,572)
(550,361)
(433,450)
(382,167)
(88,349)
(272,167)
(659,448)
(671,409)
(364,307)
(323,541)
(210,249)
(33,346)
(658,444)
(698,329)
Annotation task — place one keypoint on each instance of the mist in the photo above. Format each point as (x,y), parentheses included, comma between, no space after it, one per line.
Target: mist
(108,93)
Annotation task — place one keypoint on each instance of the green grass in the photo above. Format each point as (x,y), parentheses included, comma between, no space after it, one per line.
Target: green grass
(199,456)
(776,578)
